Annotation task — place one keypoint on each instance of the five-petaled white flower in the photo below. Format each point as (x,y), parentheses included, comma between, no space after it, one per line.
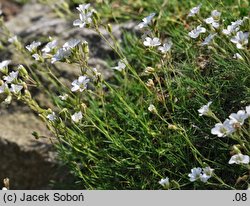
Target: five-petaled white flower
(50,46)
(77,116)
(146,21)
(51,117)
(61,54)
(84,19)
(195,174)
(223,129)
(194,10)
(233,27)
(214,19)
(33,46)
(120,67)
(166,47)
(205,110)
(239,159)
(164,182)
(196,32)
(208,39)
(152,42)
(241,39)
(15,88)
(80,84)
(12,75)
(239,117)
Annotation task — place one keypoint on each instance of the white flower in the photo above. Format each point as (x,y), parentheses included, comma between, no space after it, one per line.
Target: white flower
(84,19)
(152,42)
(248,110)
(164,182)
(3,88)
(64,97)
(196,32)
(12,75)
(208,39)
(33,46)
(241,39)
(77,116)
(4,64)
(234,27)
(214,19)
(61,54)
(71,43)
(166,47)
(208,171)
(36,56)
(15,88)
(50,46)
(238,117)
(121,66)
(146,21)
(51,117)
(12,39)
(215,14)
(83,7)
(238,56)
(202,174)
(195,174)
(205,110)
(80,84)
(239,159)
(152,108)
(194,10)
(222,130)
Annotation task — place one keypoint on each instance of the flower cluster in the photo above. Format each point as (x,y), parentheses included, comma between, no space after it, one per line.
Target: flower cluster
(202,174)
(10,84)
(239,38)
(149,40)
(235,120)
(51,51)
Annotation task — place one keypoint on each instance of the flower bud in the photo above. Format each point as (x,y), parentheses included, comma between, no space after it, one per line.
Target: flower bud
(172,127)
(149,70)
(8,99)
(152,108)
(83,107)
(22,71)
(150,83)
(109,28)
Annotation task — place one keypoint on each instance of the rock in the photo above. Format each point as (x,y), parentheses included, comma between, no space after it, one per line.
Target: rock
(27,162)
